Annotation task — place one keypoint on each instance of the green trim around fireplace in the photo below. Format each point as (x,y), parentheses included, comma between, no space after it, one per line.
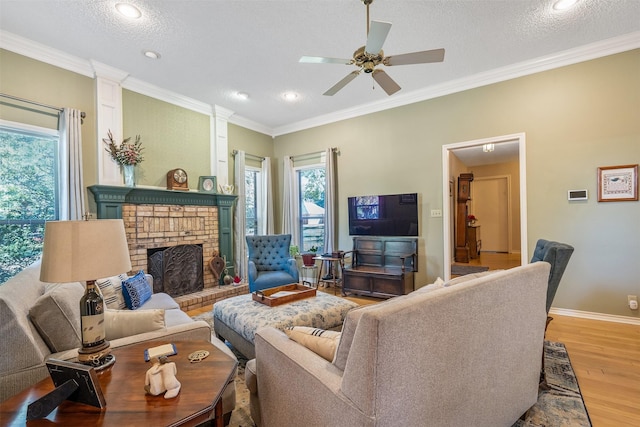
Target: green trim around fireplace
(109,200)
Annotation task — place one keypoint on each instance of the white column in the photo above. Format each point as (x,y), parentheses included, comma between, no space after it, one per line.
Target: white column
(109,118)
(221,144)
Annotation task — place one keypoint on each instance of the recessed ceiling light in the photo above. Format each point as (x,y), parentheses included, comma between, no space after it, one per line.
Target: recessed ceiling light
(242,95)
(564,4)
(290,96)
(151,54)
(128,10)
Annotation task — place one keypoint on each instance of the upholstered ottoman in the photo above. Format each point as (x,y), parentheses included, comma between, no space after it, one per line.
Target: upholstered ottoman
(236,319)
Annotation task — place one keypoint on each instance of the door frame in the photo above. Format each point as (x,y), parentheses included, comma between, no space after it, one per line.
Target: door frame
(446,214)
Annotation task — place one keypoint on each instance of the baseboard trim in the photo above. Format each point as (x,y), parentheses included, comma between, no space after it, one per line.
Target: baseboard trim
(595,316)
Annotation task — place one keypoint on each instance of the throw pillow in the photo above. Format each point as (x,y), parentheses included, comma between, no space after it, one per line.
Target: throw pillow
(111,290)
(56,315)
(125,323)
(136,291)
(321,342)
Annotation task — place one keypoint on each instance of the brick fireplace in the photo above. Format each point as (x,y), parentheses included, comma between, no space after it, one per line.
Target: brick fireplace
(158,218)
(163,226)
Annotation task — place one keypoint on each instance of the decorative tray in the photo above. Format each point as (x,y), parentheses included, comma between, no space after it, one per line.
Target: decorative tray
(283,294)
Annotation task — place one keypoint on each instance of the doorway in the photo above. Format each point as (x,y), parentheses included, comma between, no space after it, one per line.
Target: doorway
(491,202)
(503,149)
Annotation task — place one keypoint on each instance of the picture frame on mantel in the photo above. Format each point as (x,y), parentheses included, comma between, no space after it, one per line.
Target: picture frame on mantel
(207,184)
(618,183)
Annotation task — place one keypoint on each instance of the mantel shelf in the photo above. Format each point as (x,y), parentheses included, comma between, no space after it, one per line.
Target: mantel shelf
(158,196)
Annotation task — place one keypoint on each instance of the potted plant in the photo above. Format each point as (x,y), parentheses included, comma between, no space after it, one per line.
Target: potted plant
(307,257)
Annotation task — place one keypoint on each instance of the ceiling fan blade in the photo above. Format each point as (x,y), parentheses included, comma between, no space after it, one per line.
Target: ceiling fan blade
(342,83)
(426,56)
(324,60)
(377,35)
(385,82)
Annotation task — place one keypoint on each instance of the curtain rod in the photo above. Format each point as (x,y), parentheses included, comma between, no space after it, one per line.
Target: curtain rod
(251,156)
(317,153)
(39,104)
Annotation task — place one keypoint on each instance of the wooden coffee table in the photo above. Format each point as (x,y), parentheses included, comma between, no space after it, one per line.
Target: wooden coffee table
(123,387)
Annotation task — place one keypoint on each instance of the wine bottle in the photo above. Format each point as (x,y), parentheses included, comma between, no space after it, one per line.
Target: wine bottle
(92,316)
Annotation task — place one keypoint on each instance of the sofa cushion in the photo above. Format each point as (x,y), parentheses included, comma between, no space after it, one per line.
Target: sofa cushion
(321,342)
(56,315)
(111,289)
(467,277)
(160,300)
(136,291)
(124,323)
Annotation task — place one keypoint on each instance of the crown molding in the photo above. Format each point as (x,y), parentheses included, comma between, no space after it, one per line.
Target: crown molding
(561,59)
(46,54)
(85,67)
(153,91)
(251,125)
(108,72)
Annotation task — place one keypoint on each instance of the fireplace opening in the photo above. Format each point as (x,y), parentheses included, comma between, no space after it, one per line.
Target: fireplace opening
(176,270)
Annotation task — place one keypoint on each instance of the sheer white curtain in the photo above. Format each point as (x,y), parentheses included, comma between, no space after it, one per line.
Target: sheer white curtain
(329,202)
(72,194)
(266,225)
(289,202)
(240,249)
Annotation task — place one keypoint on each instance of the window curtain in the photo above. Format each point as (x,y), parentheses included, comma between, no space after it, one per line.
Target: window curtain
(240,247)
(72,194)
(266,225)
(329,201)
(289,203)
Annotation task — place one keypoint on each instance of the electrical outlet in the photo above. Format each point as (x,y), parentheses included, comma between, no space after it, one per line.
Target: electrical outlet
(632,301)
(435,213)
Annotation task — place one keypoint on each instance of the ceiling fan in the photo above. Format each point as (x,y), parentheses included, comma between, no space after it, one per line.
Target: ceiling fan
(371,55)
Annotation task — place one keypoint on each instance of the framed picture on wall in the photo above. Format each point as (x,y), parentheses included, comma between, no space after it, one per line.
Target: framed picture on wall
(618,183)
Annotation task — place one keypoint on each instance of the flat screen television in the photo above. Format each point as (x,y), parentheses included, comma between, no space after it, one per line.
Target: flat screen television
(387,215)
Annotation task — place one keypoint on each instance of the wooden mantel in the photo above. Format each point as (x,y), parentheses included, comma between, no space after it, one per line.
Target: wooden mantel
(110,200)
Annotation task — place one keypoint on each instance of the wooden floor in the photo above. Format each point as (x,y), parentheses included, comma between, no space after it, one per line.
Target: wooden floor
(605,357)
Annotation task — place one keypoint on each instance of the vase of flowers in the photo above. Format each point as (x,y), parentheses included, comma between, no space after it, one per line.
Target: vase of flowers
(127,154)
(471,220)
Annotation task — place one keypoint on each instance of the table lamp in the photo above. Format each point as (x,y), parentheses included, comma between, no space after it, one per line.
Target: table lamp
(77,251)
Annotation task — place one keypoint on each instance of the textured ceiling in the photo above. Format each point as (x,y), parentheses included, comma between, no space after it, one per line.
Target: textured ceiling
(212,49)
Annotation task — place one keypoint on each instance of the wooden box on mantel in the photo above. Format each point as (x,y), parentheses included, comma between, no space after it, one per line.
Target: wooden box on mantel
(283,294)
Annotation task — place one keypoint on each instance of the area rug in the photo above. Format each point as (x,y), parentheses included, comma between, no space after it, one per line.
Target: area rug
(559,405)
(461,270)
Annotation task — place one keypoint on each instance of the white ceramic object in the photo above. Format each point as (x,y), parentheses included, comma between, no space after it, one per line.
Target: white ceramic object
(226,188)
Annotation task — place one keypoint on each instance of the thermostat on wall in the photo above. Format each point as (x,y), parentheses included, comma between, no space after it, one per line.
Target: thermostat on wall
(578,195)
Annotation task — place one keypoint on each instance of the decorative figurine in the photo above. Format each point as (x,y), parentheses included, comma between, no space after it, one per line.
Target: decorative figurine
(161,377)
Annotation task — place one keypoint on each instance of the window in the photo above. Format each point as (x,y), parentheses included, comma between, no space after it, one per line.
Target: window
(311,183)
(253,186)
(28,193)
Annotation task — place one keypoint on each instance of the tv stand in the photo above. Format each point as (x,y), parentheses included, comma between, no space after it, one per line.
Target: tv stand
(381,267)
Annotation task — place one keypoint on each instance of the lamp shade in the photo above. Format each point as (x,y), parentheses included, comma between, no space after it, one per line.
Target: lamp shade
(77,251)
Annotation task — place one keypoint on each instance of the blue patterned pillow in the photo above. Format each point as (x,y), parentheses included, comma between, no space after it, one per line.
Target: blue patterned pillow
(136,291)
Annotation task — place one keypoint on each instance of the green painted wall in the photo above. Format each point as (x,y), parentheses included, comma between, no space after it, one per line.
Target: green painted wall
(39,82)
(173,137)
(251,142)
(575,118)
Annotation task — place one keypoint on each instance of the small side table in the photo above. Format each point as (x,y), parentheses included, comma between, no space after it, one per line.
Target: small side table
(332,265)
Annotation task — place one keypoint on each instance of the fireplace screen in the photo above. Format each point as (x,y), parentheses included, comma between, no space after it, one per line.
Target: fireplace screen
(176,270)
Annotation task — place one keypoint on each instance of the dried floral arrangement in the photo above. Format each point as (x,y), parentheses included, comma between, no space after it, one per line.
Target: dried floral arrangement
(127,153)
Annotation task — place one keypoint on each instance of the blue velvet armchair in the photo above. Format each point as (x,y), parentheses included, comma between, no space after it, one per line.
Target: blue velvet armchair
(270,263)
(557,254)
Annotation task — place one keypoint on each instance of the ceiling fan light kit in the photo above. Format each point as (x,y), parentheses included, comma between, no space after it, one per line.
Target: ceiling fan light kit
(369,56)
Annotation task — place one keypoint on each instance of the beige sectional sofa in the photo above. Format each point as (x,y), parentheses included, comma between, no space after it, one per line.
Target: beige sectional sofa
(40,320)
(468,354)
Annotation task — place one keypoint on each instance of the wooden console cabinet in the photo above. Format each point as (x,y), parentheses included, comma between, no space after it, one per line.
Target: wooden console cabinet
(381,266)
